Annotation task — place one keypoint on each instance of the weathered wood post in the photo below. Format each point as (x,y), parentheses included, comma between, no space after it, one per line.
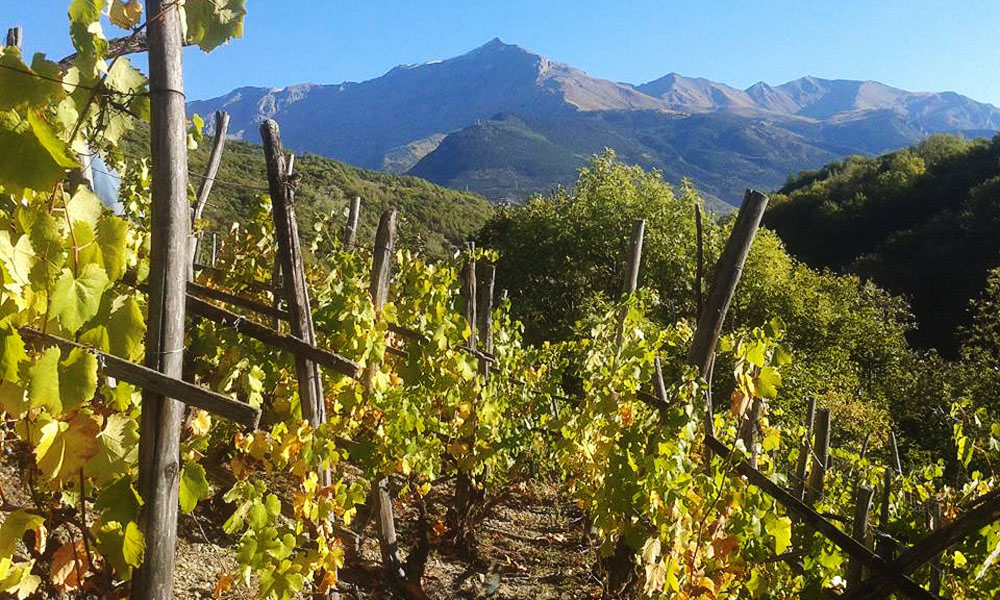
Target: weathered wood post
(465,487)
(631,281)
(205,188)
(484,312)
(804,451)
(934,522)
(160,424)
(699,286)
(859,531)
(290,258)
(385,242)
(727,276)
(351,228)
(894,447)
(820,456)
(885,546)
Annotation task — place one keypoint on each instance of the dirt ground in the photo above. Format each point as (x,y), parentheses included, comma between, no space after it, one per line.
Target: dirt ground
(530,546)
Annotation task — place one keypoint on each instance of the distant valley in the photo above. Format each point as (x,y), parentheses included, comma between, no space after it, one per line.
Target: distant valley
(505,122)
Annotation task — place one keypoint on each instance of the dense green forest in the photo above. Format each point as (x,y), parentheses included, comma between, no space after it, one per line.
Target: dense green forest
(924,223)
(562,254)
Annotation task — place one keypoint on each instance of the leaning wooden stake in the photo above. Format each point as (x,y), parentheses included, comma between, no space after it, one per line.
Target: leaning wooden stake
(986,511)
(699,286)
(351,229)
(160,425)
(484,310)
(804,452)
(385,241)
(859,531)
(727,276)
(887,572)
(290,258)
(211,170)
(820,456)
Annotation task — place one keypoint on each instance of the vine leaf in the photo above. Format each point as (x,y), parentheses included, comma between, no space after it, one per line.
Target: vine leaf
(70,566)
(211,23)
(15,525)
(12,352)
(194,486)
(77,378)
(43,382)
(118,502)
(65,447)
(75,300)
(125,14)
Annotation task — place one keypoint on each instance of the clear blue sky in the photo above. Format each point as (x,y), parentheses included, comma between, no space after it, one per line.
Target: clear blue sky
(919,45)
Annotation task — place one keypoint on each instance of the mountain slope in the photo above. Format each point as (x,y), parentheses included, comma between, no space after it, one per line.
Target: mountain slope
(360,122)
(756,137)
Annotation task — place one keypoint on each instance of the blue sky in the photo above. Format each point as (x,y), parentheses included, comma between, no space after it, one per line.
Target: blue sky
(919,45)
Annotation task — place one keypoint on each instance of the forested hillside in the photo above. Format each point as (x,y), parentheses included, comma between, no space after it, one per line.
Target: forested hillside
(923,223)
(437,219)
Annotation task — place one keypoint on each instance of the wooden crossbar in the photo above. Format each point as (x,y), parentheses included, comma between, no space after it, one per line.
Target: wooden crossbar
(884,569)
(987,511)
(265,334)
(157,382)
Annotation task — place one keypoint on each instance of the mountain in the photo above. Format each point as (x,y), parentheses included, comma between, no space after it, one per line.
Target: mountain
(505,122)
(361,123)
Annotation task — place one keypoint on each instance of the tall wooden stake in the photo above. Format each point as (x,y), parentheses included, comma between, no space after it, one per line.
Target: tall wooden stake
(820,456)
(211,170)
(290,258)
(699,286)
(160,425)
(465,488)
(804,451)
(484,311)
(859,531)
(727,276)
(385,242)
(351,229)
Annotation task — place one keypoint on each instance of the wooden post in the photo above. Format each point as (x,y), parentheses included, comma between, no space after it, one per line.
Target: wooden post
(933,522)
(749,431)
(699,286)
(889,573)
(885,546)
(464,486)
(804,451)
(351,229)
(895,451)
(820,456)
(14,36)
(859,531)
(727,276)
(385,242)
(276,287)
(160,424)
(658,384)
(631,283)
(211,170)
(290,258)
(986,511)
(484,310)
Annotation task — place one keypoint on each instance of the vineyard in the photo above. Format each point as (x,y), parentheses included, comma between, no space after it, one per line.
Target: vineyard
(308,394)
